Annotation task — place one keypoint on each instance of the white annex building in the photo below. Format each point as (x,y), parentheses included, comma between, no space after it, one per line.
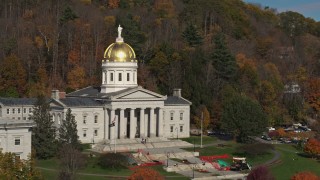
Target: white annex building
(118,109)
(15,137)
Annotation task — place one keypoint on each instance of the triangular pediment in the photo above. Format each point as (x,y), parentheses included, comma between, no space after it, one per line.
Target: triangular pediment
(139,94)
(55,104)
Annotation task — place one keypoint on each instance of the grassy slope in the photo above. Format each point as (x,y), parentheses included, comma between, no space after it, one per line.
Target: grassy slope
(292,162)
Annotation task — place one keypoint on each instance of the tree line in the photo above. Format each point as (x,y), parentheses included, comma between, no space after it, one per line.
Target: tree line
(208,48)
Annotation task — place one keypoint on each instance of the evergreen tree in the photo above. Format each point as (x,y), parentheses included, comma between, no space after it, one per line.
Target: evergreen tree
(243,117)
(223,61)
(68,15)
(43,137)
(192,36)
(68,133)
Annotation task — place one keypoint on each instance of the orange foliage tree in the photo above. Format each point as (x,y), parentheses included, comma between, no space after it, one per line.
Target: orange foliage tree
(145,174)
(305,176)
(312,147)
(313,94)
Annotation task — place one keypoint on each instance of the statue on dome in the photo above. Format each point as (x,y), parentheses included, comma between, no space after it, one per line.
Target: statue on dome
(119,31)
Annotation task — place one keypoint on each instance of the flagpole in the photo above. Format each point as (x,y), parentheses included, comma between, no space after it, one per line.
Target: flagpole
(201,128)
(115,140)
(115,136)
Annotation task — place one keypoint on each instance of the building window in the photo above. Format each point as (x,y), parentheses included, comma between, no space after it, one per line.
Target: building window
(84,119)
(96,132)
(111,76)
(17,141)
(18,118)
(84,133)
(8,111)
(120,76)
(171,116)
(181,128)
(18,156)
(19,110)
(128,76)
(24,118)
(13,110)
(181,116)
(96,119)
(24,110)
(171,128)
(30,110)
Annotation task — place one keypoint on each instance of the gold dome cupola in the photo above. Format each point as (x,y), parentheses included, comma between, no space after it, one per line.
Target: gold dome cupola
(119,51)
(119,66)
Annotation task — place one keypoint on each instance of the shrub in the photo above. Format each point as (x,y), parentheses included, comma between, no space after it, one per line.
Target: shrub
(305,176)
(260,173)
(113,161)
(146,174)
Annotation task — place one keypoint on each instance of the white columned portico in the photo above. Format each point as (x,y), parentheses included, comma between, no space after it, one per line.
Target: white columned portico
(123,125)
(152,123)
(142,124)
(112,129)
(132,124)
(160,124)
(106,124)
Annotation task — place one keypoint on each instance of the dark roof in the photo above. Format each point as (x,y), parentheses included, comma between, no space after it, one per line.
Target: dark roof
(17,101)
(86,92)
(94,92)
(175,100)
(77,101)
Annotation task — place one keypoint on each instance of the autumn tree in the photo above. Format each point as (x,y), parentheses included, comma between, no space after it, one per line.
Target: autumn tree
(312,147)
(313,94)
(76,78)
(12,167)
(68,133)
(305,176)
(260,173)
(145,174)
(12,77)
(43,136)
(203,116)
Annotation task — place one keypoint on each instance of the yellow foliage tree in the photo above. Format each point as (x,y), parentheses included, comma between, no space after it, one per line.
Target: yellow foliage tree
(204,116)
(76,78)
(12,167)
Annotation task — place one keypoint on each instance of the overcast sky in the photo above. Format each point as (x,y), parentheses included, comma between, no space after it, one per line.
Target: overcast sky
(309,8)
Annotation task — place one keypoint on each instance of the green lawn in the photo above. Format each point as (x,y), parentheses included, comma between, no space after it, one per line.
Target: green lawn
(197,140)
(230,149)
(92,168)
(292,162)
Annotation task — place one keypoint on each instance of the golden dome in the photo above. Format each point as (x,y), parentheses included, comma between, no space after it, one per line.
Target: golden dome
(119,52)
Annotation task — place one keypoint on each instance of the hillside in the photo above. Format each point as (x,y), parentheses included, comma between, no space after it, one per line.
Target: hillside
(209,48)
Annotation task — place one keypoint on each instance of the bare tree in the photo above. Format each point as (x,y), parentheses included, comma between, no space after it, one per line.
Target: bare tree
(71,160)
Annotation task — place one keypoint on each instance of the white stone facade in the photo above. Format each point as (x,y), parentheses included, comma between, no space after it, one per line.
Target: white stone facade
(15,137)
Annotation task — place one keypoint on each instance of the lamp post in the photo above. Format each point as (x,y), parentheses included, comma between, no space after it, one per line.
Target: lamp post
(167,159)
(194,145)
(192,171)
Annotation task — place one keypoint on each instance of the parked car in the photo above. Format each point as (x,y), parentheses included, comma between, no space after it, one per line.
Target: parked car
(265,137)
(271,129)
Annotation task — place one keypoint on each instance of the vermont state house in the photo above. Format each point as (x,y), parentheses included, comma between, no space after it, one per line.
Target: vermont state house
(118,109)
